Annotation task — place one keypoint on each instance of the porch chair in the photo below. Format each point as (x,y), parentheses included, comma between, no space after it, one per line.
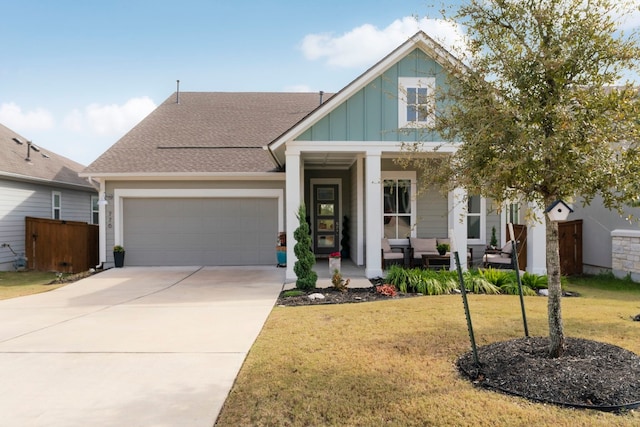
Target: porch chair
(501,258)
(421,246)
(391,255)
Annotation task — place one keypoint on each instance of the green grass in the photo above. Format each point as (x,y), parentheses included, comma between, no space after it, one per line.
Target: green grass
(20,283)
(393,362)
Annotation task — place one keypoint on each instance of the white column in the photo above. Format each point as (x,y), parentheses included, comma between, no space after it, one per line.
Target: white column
(458,224)
(360,210)
(294,198)
(537,242)
(373,209)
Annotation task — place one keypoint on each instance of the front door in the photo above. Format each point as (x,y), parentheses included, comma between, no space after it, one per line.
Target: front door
(326,219)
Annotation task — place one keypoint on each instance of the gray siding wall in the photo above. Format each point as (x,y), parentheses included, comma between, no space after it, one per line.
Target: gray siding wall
(597,224)
(20,199)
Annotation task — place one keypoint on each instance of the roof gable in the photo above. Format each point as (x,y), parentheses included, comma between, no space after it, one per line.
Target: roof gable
(42,166)
(400,59)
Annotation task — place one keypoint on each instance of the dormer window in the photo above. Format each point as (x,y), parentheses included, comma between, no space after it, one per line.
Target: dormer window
(416,103)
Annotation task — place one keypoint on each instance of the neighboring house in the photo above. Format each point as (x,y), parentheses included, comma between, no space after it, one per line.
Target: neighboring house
(212,178)
(38,183)
(610,241)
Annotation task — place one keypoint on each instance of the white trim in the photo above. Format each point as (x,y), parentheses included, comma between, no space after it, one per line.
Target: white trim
(102,226)
(187,176)
(360,208)
(169,193)
(404,83)
(397,175)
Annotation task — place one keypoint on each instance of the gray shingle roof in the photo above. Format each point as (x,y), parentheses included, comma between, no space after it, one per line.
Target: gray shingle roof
(53,167)
(207,132)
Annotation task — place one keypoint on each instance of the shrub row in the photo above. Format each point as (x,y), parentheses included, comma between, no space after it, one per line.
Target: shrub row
(484,281)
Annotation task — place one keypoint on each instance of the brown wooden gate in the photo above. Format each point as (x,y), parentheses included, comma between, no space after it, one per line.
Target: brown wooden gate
(62,246)
(570,242)
(520,231)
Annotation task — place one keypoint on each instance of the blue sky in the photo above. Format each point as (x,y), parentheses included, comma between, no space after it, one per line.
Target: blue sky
(75,76)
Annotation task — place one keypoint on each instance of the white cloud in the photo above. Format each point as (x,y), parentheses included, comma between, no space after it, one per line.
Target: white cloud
(110,119)
(12,116)
(298,88)
(366,44)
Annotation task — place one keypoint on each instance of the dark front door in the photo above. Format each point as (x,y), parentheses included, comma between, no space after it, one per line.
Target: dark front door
(326,215)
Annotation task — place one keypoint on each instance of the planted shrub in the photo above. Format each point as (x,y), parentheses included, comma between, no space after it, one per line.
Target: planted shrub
(511,288)
(306,277)
(386,290)
(478,284)
(338,282)
(534,281)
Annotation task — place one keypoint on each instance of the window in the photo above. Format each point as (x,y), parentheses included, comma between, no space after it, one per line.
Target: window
(398,204)
(476,220)
(95,219)
(56,205)
(416,102)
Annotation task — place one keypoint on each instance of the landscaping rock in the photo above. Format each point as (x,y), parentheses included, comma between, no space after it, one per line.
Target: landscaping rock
(315,296)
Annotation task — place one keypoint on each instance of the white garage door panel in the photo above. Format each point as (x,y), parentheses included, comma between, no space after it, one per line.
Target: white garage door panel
(225,231)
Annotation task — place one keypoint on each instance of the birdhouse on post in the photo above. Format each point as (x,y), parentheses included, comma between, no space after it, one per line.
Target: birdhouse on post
(558,211)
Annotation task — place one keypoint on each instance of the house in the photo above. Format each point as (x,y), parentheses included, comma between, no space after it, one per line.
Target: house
(212,178)
(38,183)
(611,242)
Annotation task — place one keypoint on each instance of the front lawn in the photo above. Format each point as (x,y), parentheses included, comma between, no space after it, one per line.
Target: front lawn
(20,283)
(393,362)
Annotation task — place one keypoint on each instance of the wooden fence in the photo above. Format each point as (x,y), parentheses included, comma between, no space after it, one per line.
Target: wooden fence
(62,246)
(570,242)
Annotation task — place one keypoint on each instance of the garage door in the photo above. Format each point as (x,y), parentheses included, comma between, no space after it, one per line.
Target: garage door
(220,231)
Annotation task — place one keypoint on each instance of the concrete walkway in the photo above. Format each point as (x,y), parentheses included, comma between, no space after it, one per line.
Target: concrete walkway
(131,346)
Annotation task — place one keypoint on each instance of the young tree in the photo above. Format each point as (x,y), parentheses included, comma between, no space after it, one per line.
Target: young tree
(542,114)
(306,277)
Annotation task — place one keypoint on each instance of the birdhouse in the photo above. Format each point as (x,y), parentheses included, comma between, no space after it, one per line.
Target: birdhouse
(558,211)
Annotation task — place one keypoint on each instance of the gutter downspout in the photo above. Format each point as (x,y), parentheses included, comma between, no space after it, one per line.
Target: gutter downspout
(102,228)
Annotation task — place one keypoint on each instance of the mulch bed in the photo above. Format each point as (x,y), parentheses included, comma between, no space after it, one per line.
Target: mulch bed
(333,296)
(589,374)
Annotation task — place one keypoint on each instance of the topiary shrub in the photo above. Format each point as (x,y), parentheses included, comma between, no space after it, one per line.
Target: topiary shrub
(306,277)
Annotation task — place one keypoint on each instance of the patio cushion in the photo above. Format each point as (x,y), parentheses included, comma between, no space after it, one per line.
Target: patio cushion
(385,246)
(423,245)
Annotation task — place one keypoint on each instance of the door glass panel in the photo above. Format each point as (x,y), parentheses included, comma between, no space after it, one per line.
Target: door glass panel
(325,194)
(326,225)
(325,209)
(326,241)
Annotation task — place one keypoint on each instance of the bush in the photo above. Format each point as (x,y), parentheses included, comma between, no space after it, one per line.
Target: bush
(478,284)
(386,290)
(511,288)
(306,277)
(534,281)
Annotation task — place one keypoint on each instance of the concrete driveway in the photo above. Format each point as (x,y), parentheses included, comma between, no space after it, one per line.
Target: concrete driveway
(131,347)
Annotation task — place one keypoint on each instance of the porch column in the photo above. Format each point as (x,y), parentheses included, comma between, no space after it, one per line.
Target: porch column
(537,242)
(293,195)
(359,237)
(458,224)
(373,209)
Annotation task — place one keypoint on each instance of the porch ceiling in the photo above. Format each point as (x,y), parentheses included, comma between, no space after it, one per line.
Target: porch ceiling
(333,160)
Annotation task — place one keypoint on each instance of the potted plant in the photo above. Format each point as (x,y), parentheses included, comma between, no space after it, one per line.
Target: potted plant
(334,262)
(118,255)
(493,244)
(442,248)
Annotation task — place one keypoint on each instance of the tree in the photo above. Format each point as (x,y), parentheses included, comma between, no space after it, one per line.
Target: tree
(542,114)
(306,277)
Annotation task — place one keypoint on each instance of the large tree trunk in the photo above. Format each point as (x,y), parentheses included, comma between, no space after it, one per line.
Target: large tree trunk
(556,331)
